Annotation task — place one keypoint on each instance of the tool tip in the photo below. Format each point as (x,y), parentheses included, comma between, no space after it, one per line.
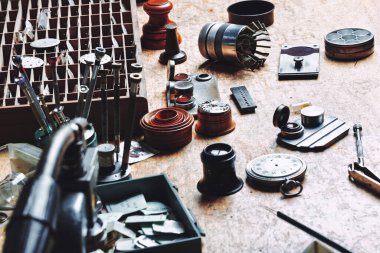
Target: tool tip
(357,127)
(269,209)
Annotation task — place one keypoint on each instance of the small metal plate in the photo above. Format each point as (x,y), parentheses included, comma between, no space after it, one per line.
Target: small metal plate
(91,58)
(44,43)
(319,138)
(272,170)
(214,107)
(307,57)
(30,62)
(203,91)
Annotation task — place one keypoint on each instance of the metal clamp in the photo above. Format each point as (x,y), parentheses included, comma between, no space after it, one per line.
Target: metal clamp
(289,185)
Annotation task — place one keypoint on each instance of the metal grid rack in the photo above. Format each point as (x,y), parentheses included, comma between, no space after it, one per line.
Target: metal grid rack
(80,26)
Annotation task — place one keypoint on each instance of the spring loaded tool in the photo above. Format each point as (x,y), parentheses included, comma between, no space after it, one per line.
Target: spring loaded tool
(45,108)
(357,172)
(135,82)
(99,53)
(86,72)
(83,90)
(31,96)
(116,67)
(103,93)
(53,64)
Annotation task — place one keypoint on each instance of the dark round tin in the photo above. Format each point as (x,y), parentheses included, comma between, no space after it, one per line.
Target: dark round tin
(349,44)
(245,12)
(312,116)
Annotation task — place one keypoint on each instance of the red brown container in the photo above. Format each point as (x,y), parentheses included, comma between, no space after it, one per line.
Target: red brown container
(167,128)
(214,119)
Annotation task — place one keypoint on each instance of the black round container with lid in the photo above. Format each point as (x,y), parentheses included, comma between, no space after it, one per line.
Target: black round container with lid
(289,130)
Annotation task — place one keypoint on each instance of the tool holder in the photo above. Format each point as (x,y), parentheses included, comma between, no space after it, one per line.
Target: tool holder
(85,25)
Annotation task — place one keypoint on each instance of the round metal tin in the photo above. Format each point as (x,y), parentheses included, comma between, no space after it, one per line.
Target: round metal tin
(30,62)
(273,170)
(349,44)
(44,43)
(245,12)
(312,116)
(91,58)
(214,119)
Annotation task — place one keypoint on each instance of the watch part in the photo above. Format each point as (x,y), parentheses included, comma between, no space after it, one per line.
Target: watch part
(276,172)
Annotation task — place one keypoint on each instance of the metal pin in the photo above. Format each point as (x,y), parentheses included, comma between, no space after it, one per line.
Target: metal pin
(99,53)
(116,112)
(104,105)
(59,116)
(86,70)
(34,103)
(53,64)
(135,83)
(83,90)
(45,108)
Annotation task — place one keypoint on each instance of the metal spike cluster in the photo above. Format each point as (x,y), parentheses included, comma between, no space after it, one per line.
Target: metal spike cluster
(253,45)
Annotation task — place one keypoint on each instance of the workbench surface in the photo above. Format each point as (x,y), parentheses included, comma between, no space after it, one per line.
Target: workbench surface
(329,203)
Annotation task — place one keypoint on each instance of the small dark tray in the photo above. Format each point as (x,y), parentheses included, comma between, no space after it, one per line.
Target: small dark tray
(157,188)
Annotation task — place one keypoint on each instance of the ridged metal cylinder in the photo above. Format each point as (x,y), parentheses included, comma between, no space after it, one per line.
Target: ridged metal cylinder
(218,41)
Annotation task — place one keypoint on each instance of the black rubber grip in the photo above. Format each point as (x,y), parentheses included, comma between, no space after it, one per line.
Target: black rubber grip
(243,99)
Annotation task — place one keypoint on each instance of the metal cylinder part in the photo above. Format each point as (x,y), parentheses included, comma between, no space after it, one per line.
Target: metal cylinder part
(183,88)
(234,43)
(185,102)
(217,41)
(312,116)
(106,158)
(136,67)
(292,131)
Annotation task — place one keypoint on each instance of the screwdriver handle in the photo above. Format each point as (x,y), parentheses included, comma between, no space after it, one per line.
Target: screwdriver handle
(359,144)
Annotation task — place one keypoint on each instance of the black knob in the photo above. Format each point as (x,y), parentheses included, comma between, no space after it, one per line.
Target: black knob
(172,51)
(298,61)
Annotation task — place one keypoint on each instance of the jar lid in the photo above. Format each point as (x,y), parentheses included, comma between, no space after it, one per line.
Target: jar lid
(281,116)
